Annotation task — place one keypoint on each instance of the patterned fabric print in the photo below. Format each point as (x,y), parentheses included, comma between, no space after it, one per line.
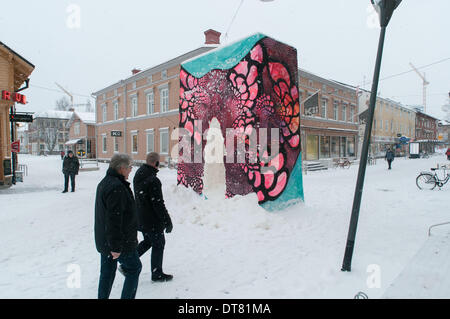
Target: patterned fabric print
(259,92)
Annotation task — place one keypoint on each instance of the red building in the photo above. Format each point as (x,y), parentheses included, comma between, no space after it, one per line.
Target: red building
(426,132)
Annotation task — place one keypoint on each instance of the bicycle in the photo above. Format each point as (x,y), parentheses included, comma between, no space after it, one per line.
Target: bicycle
(342,162)
(429,180)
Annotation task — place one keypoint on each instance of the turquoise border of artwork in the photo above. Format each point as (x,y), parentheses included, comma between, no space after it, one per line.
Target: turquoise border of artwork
(220,58)
(293,192)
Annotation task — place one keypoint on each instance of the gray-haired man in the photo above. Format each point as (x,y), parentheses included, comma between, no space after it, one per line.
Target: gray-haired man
(116,228)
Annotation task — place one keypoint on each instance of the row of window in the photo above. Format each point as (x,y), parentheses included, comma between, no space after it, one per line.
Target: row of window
(320,147)
(150,102)
(342,115)
(149,138)
(392,126)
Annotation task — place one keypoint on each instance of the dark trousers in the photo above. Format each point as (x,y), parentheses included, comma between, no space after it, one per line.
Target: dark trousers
(156,241)
(131,265)
(66,181)
(389,163)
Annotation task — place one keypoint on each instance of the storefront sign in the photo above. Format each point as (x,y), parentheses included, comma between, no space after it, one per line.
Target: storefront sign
(16,117)
(15,146)
(116,133)
(15,97)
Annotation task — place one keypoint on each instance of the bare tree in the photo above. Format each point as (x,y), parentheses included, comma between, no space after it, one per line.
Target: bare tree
(50,137)
(89,107)
(62,104)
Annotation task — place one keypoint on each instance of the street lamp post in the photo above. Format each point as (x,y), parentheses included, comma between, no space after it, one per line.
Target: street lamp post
(385,9)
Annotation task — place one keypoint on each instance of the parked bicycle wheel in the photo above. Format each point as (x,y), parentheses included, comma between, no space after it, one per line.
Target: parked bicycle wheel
(426,181)
(346,164)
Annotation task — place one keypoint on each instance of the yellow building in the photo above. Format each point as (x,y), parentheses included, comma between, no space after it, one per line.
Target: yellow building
(14,71)
(391,121)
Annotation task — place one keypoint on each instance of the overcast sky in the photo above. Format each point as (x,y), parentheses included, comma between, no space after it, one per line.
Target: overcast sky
(335,39)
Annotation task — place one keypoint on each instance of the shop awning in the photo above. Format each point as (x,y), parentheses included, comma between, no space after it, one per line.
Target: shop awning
(71,142)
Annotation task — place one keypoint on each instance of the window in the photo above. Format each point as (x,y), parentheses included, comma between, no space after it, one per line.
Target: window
(150,103)
(324,108)
(164,100)
(352,114)
(115,92)
(344,112)
(104,143)
(134,107)
(150,141)
(116,145)
(335,146)
(104,112)
(312,147)
(381,124)
(335,110)
(134,85)
(324,147)
(164,141)
(76,128)
(343,152)
(134,142)
(164,74)
(150,79)
(350,146)
(116,110)
(386,127)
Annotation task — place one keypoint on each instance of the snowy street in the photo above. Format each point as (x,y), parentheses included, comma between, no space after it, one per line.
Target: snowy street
(229,249)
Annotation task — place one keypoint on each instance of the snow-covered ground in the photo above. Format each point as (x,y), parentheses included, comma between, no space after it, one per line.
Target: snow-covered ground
(228,249)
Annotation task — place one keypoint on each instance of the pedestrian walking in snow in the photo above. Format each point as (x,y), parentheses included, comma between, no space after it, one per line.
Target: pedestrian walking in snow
(62,155)
(116,229)
(389,157)
(152,214)
(70,168)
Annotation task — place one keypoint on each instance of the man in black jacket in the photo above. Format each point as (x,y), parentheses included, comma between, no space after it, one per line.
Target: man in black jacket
(116,229)
(152,215)
(70,168)
(389,157)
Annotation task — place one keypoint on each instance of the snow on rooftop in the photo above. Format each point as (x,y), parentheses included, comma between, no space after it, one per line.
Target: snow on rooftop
(86,117)
(54,114)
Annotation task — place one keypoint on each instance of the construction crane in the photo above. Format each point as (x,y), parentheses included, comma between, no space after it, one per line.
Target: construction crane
(425,83)
(67,92)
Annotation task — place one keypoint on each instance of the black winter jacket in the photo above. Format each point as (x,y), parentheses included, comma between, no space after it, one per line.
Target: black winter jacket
(389,155)
(70,165)
(152,212)
(115,215)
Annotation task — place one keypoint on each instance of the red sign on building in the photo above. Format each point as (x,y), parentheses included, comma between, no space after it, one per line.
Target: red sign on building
(15,97)
(15,146)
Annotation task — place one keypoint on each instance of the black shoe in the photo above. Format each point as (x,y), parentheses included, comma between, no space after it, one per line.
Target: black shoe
(72,190)
(161,277)
(64,191)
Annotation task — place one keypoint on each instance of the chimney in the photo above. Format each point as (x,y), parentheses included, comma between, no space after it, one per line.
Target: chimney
(135,71)
(212,37)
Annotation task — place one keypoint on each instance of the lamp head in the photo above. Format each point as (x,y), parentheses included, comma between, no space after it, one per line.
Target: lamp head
(385,9)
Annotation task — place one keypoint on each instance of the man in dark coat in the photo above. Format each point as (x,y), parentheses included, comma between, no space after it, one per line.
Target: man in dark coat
(389,157)
(116,229)
(152,214)
(70,168)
